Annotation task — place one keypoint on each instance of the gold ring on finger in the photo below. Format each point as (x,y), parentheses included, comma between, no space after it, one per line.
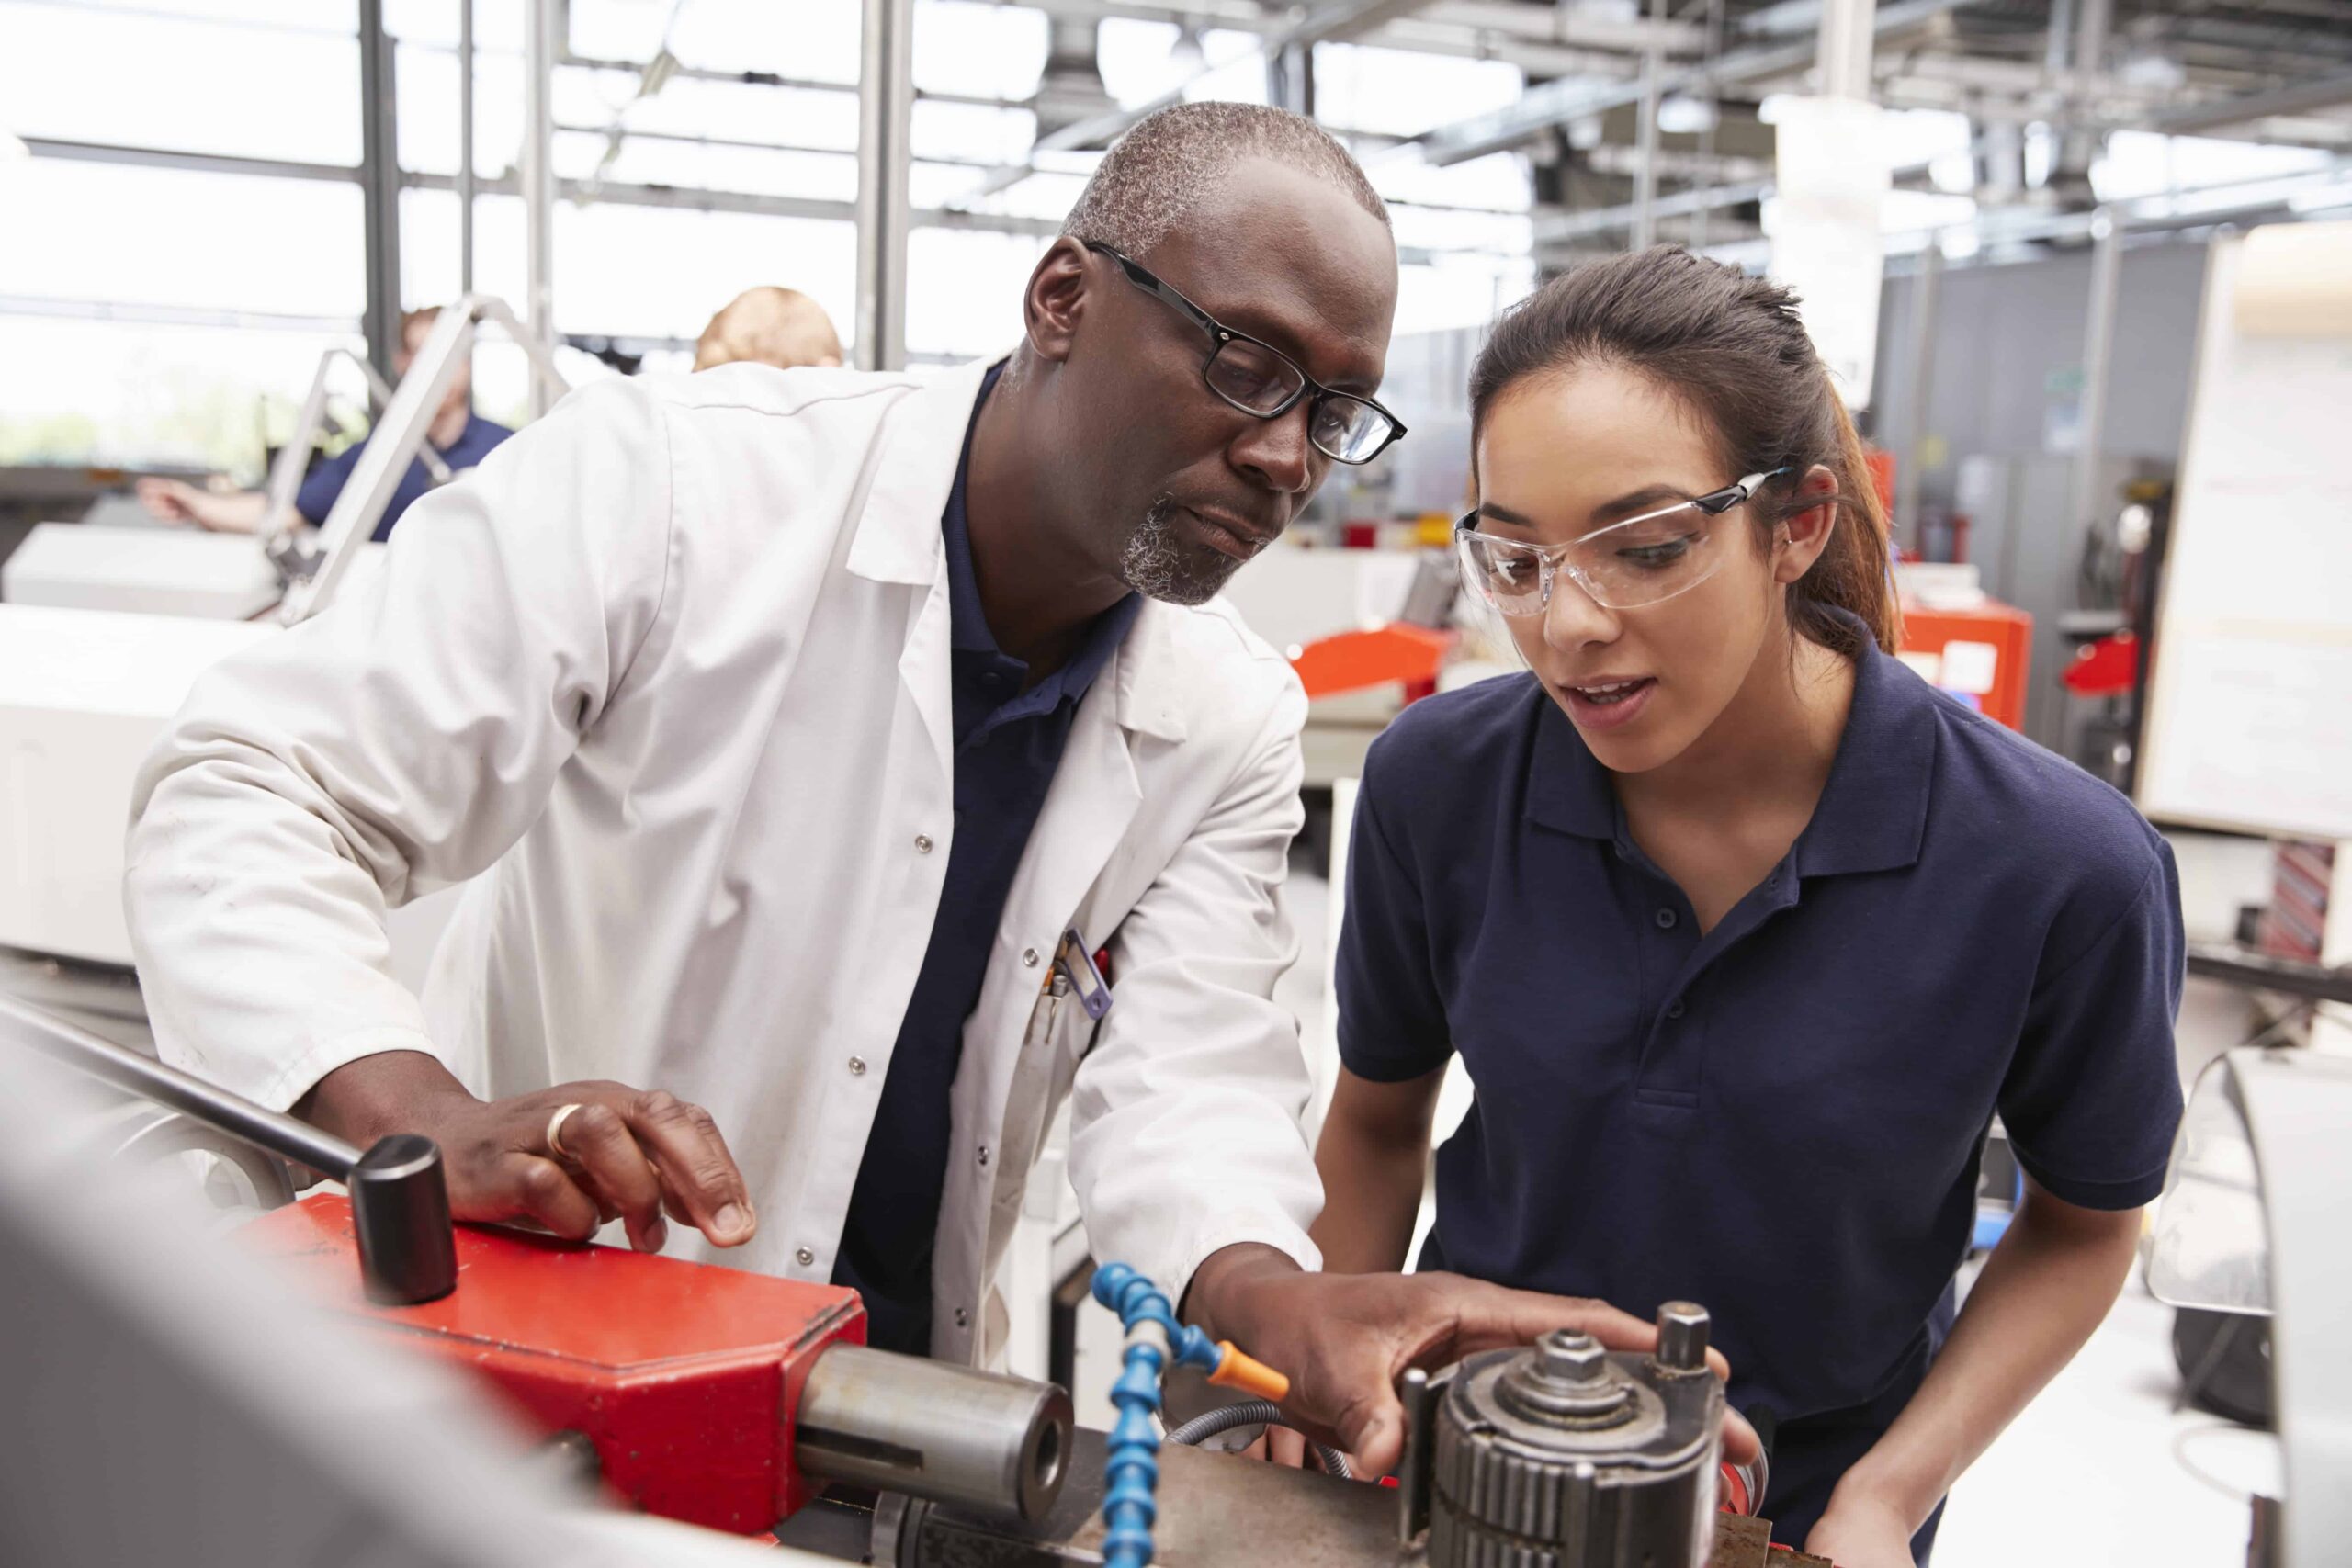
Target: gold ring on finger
(555,1131)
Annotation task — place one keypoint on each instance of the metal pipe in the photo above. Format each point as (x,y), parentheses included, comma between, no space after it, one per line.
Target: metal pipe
(1714,117)
(465,146)
(1926,295)
(537,168)
(1846,43)
(934,1431)
(885,120)
(1645,160)
(274,1132)
(379,184)
(2098,353)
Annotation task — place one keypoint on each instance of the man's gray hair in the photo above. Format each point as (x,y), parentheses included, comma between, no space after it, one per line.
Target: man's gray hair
(1170,160)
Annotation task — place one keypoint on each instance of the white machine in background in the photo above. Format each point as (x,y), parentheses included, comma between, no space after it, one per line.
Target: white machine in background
(138,566)
(89,674)
(2252,1222)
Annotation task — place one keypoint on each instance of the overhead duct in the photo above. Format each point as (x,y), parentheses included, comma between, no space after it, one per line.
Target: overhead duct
(1069,90)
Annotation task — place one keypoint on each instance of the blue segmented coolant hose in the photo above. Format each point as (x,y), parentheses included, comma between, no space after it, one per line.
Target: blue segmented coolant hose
(1155,1341)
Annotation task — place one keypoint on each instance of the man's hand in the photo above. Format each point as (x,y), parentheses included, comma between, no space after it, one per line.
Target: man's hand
(1344,1339)
(628,1153)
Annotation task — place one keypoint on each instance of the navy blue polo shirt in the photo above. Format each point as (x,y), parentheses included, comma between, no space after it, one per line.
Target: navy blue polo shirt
(325,482)
(1009,738)
(1781,1119)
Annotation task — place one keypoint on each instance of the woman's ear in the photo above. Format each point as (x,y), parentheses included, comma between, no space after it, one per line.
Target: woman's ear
(1800,537)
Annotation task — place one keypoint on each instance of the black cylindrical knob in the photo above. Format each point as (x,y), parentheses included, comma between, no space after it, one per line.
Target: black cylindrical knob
(400,1211)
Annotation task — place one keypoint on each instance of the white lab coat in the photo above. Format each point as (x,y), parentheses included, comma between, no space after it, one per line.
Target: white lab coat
(669,675)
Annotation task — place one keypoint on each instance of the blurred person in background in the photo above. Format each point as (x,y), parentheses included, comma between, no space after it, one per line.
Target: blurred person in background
(768,325)
(462,437)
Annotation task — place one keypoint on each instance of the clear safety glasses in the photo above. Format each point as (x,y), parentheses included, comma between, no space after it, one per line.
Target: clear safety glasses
(1642,560)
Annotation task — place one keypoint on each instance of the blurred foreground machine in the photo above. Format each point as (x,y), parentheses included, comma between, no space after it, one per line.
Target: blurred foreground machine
(749,1404)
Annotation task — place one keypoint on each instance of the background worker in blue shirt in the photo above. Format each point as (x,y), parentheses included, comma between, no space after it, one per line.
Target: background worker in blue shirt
(1744,932)
(462,437)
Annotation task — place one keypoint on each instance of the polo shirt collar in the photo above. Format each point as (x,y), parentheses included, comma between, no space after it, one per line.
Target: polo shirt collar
(1873,811)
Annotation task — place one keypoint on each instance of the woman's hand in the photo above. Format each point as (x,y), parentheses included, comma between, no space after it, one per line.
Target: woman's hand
(1862,1532)
(1343,1339)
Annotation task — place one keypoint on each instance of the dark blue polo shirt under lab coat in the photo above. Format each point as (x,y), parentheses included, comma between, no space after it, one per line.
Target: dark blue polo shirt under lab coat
(1780,1120)
(1008,744)
(324,482)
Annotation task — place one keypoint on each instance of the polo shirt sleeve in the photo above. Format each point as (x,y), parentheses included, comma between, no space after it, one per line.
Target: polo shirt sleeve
(1392,1016)
(324,482)
(2093,1095)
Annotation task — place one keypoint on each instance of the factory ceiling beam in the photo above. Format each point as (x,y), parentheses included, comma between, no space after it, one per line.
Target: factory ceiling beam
(1555,103)
(2300,99)
(1332,23)
(1495,20)
(191,162)
(636,68)
(1567,228)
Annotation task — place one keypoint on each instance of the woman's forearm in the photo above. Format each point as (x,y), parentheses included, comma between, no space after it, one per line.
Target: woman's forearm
(1373,1157)
(2046,1288)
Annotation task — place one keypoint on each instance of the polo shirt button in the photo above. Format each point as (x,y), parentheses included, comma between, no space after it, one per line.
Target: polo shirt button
(923,844)
(1666,918)
(803,1257)
(984,1153)
(963,1318)
(1674,1009)
(857,1067)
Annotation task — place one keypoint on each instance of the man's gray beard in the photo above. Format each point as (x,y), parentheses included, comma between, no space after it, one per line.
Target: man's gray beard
(1160,563)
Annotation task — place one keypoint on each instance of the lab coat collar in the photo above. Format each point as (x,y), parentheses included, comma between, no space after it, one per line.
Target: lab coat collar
(898,534)
(899,541)
(1144,675)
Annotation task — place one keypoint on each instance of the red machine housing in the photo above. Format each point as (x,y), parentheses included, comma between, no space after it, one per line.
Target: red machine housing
(683,1376)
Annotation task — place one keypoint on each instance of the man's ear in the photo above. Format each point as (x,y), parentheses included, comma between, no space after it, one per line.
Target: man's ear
(1055,299)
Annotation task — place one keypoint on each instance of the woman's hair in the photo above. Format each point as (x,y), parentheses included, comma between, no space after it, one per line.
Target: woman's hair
(1732,347)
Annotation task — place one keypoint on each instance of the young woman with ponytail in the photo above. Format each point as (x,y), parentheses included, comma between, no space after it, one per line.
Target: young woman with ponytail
(1743,933)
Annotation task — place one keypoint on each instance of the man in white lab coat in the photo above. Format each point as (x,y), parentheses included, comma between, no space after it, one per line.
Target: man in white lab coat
(805,734)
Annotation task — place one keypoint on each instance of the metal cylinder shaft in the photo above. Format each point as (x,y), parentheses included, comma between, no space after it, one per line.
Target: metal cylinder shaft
(945,1433)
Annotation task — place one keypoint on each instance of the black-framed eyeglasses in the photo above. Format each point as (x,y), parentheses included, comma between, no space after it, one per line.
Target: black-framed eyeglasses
(1260,379)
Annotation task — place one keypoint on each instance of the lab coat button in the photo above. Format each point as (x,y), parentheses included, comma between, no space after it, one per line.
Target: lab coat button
(1029,957)
(857,1067)
(804,1257)
(963,1318)
(923,844)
